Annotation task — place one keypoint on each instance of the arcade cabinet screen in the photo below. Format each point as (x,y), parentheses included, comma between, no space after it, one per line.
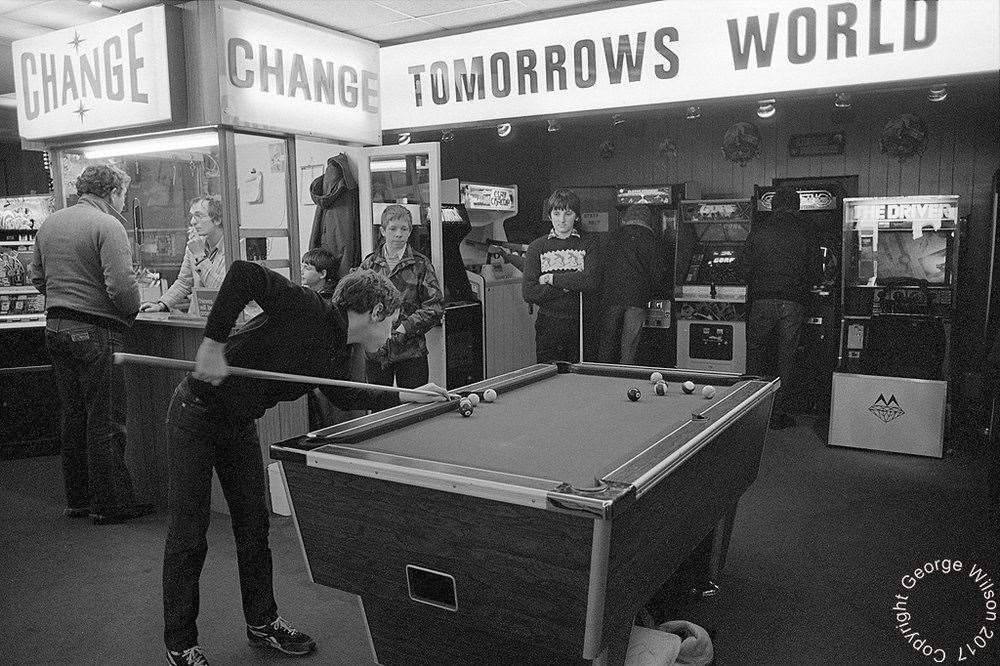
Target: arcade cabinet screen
(715,265)
(900,255)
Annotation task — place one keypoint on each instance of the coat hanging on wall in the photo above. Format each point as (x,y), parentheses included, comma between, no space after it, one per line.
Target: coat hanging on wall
(904,136)
(336,221)
(741,143)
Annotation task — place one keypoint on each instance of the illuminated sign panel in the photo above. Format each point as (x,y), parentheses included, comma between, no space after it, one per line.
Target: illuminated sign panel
(673,51)
(109,74)
(287,75)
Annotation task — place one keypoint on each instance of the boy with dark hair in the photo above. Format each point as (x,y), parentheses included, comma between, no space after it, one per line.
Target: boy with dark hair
(557,268)
(211,425)
(319,271)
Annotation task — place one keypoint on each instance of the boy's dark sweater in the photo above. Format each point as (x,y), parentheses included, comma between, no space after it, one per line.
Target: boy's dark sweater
(573,264)
(299,333)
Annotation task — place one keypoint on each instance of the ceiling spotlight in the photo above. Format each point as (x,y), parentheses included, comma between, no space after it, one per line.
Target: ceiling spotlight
(693,112)
(765,108)
(554,126)
(447,135)
(938,93)
(843,100)
(617,119)
(403,138)
(503,130)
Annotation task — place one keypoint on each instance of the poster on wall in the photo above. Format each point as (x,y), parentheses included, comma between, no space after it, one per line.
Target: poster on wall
(307,174)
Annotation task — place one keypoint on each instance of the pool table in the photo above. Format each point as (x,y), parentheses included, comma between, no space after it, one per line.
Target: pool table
(535,529)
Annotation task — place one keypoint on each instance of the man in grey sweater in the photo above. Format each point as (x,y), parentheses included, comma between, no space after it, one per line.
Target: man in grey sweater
(83,265)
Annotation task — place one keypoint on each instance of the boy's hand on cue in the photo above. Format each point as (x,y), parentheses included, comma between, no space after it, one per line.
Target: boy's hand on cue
(210,362)
(407,396)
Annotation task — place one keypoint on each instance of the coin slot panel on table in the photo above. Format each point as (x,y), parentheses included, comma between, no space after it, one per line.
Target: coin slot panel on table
(434,588)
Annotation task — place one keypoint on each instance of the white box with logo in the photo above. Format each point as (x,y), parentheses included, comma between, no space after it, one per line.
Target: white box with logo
(895,414)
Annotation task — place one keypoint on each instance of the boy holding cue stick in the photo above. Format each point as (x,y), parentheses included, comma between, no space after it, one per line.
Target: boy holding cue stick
(211,425)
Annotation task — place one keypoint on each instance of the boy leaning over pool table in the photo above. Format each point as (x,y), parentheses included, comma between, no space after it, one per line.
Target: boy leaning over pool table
(210,424)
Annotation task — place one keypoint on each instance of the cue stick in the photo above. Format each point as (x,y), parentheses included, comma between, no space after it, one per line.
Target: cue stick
(178,364)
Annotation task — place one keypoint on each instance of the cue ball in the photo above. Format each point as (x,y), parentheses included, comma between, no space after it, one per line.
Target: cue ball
(688,387)
(465,408)
(473,398)
(660,388)
(656,377)
(708,392)
(633,393)
(489,395)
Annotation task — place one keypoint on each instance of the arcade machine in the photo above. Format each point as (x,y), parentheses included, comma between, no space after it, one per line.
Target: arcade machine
(821,209)
(709,291)
(899,279)
(507,321)
(657,342)
(28,400)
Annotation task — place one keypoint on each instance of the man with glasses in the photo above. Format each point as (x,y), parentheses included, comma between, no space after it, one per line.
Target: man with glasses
(204,265)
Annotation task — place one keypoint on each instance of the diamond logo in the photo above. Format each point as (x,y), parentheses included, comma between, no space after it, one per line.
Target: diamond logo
(886,410)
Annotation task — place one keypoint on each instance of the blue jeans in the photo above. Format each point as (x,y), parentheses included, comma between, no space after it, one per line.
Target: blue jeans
(202,436)
(621,328)
(774,320)
(92,421)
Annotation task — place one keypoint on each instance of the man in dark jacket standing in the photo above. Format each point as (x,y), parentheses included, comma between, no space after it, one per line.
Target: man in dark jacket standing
(634,274)
(83,265)
(335,225)
(779,265)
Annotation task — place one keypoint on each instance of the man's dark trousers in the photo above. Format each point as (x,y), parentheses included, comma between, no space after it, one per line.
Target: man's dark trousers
(92,420)
(203,435)
(780,320)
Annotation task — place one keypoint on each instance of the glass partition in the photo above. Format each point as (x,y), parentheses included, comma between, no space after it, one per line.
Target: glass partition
(261,164)
(167,173)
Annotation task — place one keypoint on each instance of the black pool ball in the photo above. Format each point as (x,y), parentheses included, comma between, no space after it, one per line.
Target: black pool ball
(465,408)
(660,388)
(633,394)
(688,387)
(656,377)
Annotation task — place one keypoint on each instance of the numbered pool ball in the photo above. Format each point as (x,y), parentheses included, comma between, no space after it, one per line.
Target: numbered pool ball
(660,388)
(465,407)
(633,393)
(489,395)
(688,387)
(656,377)
(473,398)
(708,392)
